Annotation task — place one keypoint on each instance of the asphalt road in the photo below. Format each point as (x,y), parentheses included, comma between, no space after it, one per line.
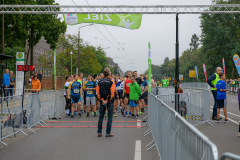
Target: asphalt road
(83,143)
(224,135)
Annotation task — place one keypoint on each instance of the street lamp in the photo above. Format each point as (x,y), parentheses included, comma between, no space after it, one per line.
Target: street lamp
(71,61)
(79,40)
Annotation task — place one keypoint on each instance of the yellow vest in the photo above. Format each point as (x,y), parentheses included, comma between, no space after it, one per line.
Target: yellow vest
(214,82)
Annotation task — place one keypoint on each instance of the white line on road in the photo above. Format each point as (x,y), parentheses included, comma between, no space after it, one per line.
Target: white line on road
(139,123)
(228,118)
(230,113)
(137,150)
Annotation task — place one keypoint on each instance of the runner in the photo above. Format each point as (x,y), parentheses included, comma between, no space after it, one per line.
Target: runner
(117,94)
(76,94)
(139,81)
(101,76)
(134,94)
(126,88)
(143,94)
(80,77)
(164,82)
(90,86)
(68,100)
(96,77)
(122,98)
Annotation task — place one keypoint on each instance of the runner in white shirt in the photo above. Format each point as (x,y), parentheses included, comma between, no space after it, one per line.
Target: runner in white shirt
(68,101)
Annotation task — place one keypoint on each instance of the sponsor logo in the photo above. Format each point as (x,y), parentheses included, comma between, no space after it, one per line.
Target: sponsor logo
(71,18)
(20,55)
(235,58)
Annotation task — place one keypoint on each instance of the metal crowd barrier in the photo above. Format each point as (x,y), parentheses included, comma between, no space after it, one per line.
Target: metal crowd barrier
(229,156)
(202,85)
(11,116)
(174,137)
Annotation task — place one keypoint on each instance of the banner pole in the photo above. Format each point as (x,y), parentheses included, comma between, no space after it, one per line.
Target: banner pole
(149,67)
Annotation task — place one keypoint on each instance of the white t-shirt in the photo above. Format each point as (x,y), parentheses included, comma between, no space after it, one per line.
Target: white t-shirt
(66,85)
(122,84)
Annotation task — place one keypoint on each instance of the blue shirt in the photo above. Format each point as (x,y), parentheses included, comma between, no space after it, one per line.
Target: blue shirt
(90,84)
(144,84)
(75,88)
(6,80)
(118,86)
(221,85)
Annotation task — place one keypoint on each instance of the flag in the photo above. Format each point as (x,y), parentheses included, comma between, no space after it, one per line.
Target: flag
(237,63)
(224,71)
(196,72)
(205,71)
(149,67)
(130,21)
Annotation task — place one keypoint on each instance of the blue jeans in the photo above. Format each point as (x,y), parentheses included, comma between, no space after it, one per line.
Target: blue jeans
(110,115)
(214,93)
(11,90)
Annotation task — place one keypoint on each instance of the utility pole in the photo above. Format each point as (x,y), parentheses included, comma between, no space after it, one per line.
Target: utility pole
(177,66)
(3,32)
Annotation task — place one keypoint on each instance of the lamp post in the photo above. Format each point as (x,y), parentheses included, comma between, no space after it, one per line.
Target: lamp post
(71,61)
(79,41)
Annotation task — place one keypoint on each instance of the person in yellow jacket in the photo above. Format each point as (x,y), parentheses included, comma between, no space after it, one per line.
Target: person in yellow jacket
(35,84)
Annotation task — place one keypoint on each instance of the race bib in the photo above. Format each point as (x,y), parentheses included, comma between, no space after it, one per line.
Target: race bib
(89,92)
(76,90)
(118,88)
(164,83)
(128,85)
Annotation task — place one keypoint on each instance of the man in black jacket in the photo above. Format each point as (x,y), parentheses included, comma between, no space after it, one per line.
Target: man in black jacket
(105,92)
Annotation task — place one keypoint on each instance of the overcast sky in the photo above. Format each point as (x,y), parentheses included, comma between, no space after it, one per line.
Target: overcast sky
(160,30)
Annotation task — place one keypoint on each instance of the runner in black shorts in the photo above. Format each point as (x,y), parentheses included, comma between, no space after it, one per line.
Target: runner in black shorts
(117,93)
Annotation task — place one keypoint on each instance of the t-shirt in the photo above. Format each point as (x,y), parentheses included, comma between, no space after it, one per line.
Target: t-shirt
(144,84)
(164,82)
(221,85)
(118,86)
(90,84)
(122,84)
(66,85)
(75,88)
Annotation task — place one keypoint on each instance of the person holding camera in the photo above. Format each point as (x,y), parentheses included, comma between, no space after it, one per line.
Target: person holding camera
(134,93)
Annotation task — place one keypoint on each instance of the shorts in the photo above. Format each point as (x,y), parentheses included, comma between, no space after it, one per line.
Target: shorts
(119,95)
(132,103)
(221,103)
(75,99)
(90,100)
(126,95)
(142,96)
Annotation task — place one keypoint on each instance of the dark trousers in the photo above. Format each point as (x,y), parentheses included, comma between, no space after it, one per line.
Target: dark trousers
(214,93)
(110,115)
(11,90)
(6,91)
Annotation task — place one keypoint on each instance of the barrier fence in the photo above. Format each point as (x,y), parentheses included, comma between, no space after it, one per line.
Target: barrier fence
(173,136)
(199,85)
(36,108)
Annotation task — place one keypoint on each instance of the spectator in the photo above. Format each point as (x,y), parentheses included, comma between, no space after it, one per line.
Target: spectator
(39,75)
(30,80)
(221,97)
(36,85)
(12,82)
(212,81)
(105,92)
(6,82)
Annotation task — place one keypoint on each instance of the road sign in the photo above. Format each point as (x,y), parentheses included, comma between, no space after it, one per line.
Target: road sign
(192,73)
(25,67)
(181,77)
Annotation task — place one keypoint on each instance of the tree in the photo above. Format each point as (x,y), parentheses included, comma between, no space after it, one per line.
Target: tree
(194,42)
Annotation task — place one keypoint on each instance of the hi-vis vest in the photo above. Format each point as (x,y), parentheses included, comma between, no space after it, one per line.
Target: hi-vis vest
(214,82)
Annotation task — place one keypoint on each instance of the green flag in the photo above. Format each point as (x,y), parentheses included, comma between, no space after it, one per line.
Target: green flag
(149,67)
(130,21)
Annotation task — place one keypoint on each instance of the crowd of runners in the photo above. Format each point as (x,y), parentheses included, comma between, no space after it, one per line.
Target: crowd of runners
(130,94)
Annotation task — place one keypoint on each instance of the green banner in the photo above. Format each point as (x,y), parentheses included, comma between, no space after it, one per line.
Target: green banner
(55,78)
(130,21)
(149,68)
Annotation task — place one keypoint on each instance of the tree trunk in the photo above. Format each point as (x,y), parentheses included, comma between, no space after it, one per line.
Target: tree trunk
(232,69)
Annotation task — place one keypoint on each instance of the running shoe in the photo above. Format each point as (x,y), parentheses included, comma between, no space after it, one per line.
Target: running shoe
(114,115)
(95,114)
(140,112)
(137,116)
(125,114)
(72,116)
(238,134)
(226,121)
(130,113)
(217,120)
(80,114)
(99,134)
(87,115)
(109,135)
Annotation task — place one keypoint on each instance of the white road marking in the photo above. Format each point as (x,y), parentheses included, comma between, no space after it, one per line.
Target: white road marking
(137,150)
(139,123)
(231,120)
(230,113)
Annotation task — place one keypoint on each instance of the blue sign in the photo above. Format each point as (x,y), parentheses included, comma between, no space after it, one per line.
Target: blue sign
(196,72)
